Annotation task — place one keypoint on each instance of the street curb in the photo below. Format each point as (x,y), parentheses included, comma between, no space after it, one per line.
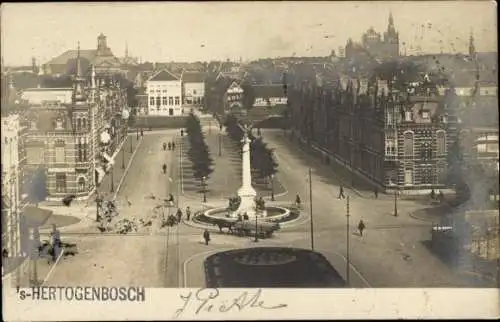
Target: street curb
(128,167)
(315,160)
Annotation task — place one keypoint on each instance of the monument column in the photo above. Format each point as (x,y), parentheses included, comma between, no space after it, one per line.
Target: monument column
(247,193)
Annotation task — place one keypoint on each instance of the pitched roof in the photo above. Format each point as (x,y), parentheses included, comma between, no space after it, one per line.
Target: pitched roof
(62,59)
(193,77)
(268,91)
(164,75)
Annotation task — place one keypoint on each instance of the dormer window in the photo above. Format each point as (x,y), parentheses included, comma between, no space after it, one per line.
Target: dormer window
(425,115)
(408,116)
(59,124)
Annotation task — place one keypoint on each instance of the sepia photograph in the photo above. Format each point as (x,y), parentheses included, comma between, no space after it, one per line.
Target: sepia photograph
(267,146)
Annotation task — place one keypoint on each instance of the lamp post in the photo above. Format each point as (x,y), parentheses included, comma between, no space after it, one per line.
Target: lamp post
(395,202)
(256,229)
(272,187)
(220,144)
(112,179)
(347,272)
(203,183)
(131,149)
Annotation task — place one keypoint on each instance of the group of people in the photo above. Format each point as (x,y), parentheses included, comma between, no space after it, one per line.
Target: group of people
(169,145)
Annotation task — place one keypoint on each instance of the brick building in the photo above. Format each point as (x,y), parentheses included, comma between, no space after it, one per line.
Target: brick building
(66,137)
(396,140)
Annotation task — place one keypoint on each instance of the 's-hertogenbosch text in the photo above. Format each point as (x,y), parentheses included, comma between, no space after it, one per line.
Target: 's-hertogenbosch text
(83,293)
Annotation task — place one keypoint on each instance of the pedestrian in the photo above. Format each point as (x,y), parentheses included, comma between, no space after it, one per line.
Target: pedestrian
(142,132)
(341,193)
(164,146)
(188,212)
(164,167)
(433,194)
(169,146)
(206,236)
(376,192)
(361,227)
(56,242)
(173,145)
(179,215)
(441,196)
(170,200)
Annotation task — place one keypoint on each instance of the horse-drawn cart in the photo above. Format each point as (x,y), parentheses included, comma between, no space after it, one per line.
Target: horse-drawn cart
(247,227)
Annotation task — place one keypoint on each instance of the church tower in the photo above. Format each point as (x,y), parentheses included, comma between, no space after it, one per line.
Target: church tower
(391,39)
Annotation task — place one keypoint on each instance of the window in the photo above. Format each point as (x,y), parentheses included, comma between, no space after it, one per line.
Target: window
(440,142)
(426,175)
(194,92)
(60,182)
(170,100)
(177,100)
(389,118)
(408,116)
(80,150)
(84,124)
(426,151)
(33,125)
(158,101)
(85,149)
(408,176)
(390,146)
(151,101)
(78,124)
(59,148)
(441,172)
(81,184)
(425,115)
(59,124)
(408,144)
(164,100)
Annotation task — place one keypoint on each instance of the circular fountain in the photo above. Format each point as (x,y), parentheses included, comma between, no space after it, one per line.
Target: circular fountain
(245,206)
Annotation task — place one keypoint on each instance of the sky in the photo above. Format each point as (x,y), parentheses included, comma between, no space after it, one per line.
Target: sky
(203,31)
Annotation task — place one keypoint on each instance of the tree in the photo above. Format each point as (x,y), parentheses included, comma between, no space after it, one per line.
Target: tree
(198,152)
(37,187)
(248,95)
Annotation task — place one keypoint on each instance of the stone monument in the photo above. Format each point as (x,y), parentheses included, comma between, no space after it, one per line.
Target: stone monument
(247,193)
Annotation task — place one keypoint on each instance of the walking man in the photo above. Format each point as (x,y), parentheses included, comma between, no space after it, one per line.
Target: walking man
(173,145)
(341,193)
(361,227)
(206,236)
(188,213)
(376,192)
(179,215)
(56,242)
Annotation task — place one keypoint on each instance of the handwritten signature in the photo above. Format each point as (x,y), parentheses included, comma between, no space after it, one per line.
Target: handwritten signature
(205,300)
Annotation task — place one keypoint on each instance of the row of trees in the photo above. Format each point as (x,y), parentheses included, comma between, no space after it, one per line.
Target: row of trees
(198,150)
(261,157)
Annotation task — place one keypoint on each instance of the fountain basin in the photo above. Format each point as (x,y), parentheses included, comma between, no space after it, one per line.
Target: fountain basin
(274,214)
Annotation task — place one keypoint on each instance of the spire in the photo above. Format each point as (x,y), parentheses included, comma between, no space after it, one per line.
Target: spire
(391,20)
(126,49)
(78,87)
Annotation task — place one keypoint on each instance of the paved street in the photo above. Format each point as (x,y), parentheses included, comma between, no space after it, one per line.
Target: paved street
(126,259)
(390,254)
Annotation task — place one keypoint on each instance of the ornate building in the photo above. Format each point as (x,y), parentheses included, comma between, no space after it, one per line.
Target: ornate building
(396,140)
(373,45)
(67,137)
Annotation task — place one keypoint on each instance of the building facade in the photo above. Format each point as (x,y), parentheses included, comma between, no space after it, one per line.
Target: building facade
(12,201)
(395,140)
(71,144)
(165,97)
(193,88)
(269,95)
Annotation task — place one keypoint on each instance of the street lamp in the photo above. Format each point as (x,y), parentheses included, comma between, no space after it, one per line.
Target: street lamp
(203,182)
(395,203)
(272,187)
(220,144)
(131,149)
(256,230)
(112,179)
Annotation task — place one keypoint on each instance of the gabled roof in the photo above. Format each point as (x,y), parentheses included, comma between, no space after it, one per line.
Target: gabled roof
(193,77)
(163,75)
